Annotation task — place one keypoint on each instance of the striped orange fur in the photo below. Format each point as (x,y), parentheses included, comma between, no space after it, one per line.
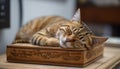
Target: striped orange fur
(58,31)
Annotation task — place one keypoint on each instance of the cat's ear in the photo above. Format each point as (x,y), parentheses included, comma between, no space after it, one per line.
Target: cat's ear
(97,40)
(76,16)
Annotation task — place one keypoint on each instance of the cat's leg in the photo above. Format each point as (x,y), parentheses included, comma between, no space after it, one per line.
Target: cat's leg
(43,40)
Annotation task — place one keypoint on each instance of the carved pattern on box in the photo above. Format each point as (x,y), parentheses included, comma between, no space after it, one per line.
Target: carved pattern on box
(55,56)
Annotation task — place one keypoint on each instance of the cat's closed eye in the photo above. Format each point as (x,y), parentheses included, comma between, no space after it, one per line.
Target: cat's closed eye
(68,32)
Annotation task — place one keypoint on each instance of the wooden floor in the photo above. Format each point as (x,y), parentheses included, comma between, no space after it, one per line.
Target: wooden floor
(110,59)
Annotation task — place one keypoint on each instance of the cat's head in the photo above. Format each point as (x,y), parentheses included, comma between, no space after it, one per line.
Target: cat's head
(74,31)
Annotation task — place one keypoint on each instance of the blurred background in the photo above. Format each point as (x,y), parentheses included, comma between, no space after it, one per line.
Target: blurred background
(102,16)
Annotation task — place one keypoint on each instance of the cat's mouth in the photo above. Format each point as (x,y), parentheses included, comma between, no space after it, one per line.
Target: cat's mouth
(70,40)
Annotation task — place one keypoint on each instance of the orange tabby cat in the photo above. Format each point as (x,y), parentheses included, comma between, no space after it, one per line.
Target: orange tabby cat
(58,31)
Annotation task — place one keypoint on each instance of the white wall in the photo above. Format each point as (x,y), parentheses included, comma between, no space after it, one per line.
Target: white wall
(37,8)
(7,35)
(32,9)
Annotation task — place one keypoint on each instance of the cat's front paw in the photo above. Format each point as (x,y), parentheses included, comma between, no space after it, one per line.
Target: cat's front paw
(53,42)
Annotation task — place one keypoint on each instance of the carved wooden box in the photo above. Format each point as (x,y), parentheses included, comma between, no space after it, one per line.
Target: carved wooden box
(28,53)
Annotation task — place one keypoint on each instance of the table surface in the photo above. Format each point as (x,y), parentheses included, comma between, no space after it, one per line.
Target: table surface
(110,59)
